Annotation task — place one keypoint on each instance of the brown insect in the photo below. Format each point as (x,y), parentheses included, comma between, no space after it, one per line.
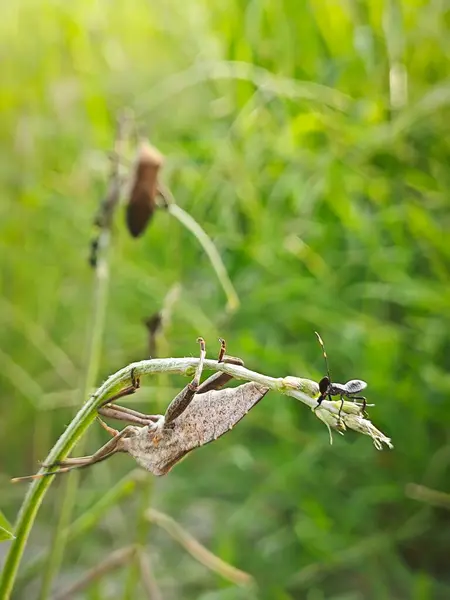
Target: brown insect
(199,414)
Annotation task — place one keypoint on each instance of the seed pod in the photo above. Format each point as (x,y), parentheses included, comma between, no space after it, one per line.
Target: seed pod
(141,204)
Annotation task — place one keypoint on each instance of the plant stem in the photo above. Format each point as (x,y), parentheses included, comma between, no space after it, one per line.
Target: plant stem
(148,578)
(124,488)
(86,415)
(73,434)
(304,390)
(36,493)
(113,561)
(94,346)
(210,249)
(197,550)
(92,365)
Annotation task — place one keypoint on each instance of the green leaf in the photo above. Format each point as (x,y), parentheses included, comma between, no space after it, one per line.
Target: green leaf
(5,529)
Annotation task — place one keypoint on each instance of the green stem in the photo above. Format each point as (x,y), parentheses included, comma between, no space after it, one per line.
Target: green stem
(37,491)
(89,519)
(211,251)
(197,550)
(90,373)
(93,354)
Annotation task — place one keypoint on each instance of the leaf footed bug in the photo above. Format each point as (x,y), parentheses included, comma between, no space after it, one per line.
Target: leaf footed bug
(344,390)
(199,414)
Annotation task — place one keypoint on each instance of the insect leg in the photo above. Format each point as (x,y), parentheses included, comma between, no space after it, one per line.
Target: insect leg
(223,349)
(184,398)
(131,389)
(69,464)
(122,413)
(112,432)
(219,379)
(340,408)
(364,402)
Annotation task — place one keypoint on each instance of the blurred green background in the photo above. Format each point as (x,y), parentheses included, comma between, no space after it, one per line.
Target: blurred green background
(310,139)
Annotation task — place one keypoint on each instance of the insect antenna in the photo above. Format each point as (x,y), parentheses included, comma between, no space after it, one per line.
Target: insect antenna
(322,345)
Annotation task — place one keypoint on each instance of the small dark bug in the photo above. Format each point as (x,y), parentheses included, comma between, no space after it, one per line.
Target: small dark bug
(344,390)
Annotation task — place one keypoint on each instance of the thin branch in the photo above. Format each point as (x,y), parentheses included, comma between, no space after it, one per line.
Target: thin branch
(427,495)
(113,561)
(124,488)
(197,550)
(205,241)
(148,578)
(140,535)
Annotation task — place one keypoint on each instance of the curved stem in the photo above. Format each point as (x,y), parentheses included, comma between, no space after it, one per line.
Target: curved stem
(213,255)
(90,374)
(36,493)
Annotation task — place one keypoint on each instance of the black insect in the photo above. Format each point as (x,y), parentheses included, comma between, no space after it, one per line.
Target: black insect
(344,390)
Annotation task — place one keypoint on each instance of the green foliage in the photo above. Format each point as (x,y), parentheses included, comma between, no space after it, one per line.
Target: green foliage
(309,140)
(5,529)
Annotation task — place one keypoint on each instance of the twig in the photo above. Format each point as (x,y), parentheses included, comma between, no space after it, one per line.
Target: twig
(427,495)
(158,322)
(89,519)
(197,550)
(142,525)
(148,579)
(113,561)
(205,241)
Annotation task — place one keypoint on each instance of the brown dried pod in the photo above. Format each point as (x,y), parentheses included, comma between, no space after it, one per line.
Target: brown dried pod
(144,188)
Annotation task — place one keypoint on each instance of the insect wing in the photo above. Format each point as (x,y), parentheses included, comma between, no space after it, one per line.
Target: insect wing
(212,414)
(355,385)
(208,416)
